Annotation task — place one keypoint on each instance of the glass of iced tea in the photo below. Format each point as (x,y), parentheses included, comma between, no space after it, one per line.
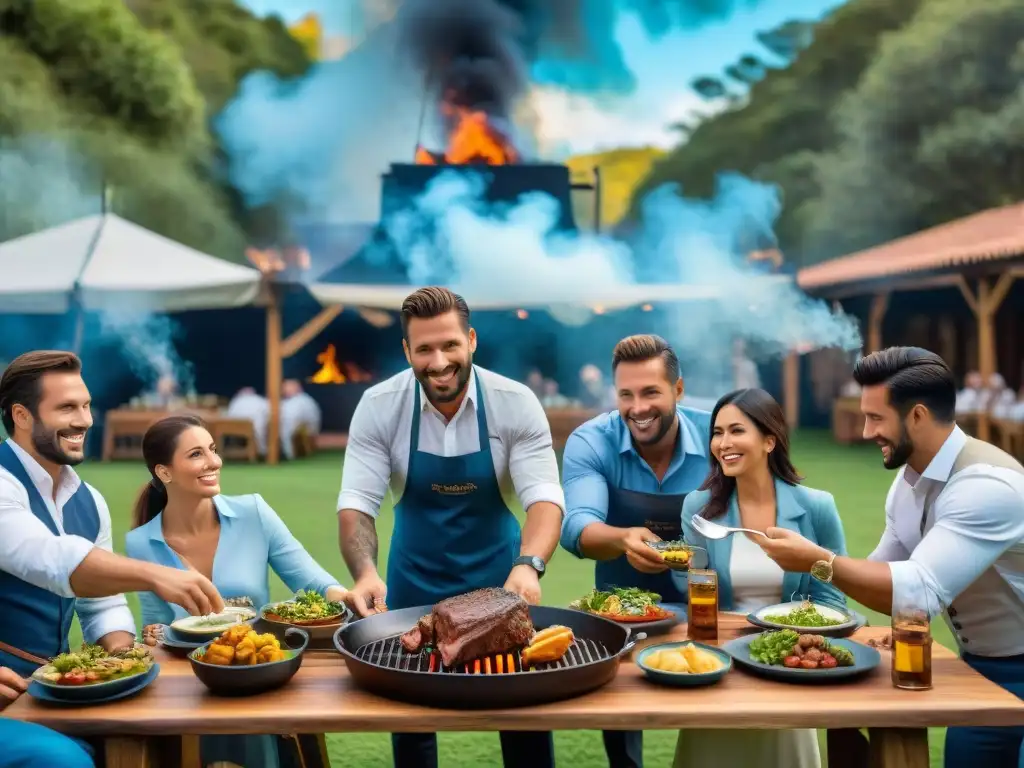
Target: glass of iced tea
(911,650)
(702,587)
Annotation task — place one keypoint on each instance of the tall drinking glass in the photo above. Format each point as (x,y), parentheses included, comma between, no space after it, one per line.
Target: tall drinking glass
(702,586)
(912,639)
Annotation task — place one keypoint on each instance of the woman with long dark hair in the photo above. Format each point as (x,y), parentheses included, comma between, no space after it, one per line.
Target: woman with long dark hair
(753,484)
(181,520)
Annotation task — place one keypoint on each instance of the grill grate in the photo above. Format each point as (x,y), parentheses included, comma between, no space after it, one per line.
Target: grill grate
(389,654)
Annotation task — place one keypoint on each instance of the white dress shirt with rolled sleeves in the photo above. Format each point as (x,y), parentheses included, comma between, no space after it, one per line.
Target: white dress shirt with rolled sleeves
(969,564)
(377,455)
(30,551)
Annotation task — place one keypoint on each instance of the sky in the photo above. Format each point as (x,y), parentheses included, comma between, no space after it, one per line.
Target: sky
(573,123)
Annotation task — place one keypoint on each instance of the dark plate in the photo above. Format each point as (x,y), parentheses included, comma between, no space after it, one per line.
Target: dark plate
(257,678)
(176,644)
(657,627)
(681,679)
(93,694)
(865,660)
(319,635)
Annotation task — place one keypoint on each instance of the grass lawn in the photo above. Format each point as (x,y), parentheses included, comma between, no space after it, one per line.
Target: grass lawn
(304,494)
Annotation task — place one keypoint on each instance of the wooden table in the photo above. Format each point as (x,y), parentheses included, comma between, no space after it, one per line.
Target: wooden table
(321,698)
(564,421)
(847,420)
(124,428)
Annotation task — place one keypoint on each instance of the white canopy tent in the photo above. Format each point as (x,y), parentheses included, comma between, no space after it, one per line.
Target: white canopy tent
(111,262)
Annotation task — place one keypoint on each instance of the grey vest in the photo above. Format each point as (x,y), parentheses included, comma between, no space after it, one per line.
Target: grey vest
(990,598)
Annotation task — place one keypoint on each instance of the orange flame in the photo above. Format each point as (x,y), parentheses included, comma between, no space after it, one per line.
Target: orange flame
(473,139)
(331,372)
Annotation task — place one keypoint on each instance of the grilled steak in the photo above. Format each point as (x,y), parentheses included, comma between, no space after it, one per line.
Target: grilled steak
(419,636)
(479,624)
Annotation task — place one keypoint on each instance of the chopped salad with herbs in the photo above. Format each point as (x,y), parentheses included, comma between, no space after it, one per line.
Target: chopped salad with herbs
(622,602)
(91,665)
(305,607)
(807,615)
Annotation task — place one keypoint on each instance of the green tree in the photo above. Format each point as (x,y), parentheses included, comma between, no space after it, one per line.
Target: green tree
(775,134)
(101,92)
(934,130)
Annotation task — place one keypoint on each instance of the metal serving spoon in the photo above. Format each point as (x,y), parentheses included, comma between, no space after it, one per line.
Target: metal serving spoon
(712,530)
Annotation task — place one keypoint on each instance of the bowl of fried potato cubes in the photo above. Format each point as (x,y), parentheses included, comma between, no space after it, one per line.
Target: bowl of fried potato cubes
(243,662)
(685,664)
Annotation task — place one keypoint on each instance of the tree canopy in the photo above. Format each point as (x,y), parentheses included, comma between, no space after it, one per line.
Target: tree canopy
(103,92)
(779,132)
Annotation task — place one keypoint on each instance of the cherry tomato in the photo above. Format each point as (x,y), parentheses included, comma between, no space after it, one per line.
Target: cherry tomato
(791,661)
(828,661)
(73,678)
(808,664)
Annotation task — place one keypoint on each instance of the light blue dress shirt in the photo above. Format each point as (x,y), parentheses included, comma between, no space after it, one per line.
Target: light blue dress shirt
(809,512)
(601,453)
(252,537)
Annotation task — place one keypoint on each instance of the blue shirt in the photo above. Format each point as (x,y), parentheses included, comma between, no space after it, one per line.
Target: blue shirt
(252,537)
(601,453)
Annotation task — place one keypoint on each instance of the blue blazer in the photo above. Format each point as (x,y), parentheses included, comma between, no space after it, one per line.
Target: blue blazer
(253,539)
(809,512)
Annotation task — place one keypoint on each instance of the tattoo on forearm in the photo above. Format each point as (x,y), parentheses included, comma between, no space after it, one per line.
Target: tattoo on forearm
(360,544)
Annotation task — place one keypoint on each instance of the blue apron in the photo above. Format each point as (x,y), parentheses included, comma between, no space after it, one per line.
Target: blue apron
(662,514)
(37,621)
(453,531)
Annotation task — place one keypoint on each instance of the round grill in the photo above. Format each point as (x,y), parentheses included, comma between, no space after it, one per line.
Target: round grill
(377,661)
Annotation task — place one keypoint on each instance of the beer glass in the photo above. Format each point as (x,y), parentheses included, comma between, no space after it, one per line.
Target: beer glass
(912,639)
(702,587)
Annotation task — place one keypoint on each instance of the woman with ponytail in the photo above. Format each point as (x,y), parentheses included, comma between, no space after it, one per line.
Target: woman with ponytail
(181,520)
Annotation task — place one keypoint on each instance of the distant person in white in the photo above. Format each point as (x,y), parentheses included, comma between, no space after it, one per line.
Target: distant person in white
(954,533)
(744,370)
(971,398)
(298,409)
(246,404)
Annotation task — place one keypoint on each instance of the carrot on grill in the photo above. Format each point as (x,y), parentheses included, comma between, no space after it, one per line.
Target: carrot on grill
(501,665)
(476,667)
(487,665)
(511,664)
(433,659)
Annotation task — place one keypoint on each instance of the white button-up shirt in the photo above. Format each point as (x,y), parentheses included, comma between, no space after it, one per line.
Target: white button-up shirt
(256,409)
(30,551)
(972,550)
(377,455)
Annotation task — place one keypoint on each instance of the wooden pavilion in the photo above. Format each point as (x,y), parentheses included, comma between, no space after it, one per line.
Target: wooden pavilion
(980,256)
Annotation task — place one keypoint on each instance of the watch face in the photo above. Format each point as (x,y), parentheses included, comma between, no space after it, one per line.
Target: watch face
(538,564)
(821,571)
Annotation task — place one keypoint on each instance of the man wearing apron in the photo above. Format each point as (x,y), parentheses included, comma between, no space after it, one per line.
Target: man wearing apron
(953,542)
(625,475)
(55,544)
(450,439)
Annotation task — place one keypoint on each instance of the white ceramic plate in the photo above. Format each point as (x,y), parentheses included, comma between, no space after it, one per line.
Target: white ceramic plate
(204,625)
(845,619)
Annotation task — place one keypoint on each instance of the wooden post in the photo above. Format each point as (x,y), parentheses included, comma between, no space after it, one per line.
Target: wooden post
(274,373)
(879,305)
(791,389)
(985,304)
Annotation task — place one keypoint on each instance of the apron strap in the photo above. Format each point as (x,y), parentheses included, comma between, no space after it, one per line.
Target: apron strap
(23,655)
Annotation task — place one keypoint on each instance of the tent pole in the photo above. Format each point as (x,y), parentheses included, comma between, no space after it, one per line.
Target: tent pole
(274,373)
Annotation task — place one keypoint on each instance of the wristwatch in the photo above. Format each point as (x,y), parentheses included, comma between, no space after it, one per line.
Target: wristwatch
(534,562)
(822,570)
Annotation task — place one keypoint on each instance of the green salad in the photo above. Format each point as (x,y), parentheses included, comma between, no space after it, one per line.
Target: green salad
(308,606)
(622,602)
(91,664)
(807,615)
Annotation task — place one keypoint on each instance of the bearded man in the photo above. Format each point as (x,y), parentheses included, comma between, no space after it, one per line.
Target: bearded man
(625,475)
(451,440)
(56,556)
(953,543)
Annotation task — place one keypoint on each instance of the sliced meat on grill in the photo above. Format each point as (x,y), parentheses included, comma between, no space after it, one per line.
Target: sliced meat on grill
(420,636)
(480,623)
